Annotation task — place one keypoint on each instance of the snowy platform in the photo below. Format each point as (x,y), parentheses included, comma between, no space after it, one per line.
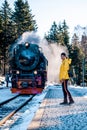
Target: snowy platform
(53,116)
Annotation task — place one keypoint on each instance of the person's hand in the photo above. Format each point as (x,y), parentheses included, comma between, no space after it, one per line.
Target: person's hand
(62,80)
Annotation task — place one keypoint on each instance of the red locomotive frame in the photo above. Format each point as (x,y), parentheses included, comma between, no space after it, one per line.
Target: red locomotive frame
(32,85)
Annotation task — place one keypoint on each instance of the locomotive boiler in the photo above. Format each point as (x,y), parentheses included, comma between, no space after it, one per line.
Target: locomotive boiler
(28,67)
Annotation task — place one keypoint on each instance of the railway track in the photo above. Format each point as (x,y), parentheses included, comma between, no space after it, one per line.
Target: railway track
(7,101)
(12,112)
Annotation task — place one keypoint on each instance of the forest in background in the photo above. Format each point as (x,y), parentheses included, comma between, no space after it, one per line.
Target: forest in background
(14,23)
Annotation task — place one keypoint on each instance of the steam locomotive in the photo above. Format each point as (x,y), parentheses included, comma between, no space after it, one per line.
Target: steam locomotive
(28,67)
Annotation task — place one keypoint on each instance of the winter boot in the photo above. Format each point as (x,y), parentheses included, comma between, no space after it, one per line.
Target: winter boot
(71,101)
(64,102)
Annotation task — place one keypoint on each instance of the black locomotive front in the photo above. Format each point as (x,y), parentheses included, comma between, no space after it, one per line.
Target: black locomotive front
(28,68)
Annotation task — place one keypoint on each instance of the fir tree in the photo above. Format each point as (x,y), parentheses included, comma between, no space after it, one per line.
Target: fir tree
(58,33)
(5,34)
(23,17)
(75,53)
(65,33)
(53,33)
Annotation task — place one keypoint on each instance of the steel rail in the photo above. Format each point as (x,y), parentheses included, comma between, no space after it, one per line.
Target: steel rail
(15,111)
(6,101)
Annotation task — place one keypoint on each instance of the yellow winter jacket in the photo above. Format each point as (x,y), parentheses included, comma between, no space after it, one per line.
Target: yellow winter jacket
(64,69)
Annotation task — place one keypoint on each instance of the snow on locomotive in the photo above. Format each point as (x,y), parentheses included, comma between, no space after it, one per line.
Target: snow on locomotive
(28,69)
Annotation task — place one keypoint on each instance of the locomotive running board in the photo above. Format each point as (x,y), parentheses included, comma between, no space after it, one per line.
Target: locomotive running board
(27,90)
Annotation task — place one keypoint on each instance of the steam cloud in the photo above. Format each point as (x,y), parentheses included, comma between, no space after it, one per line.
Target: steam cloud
(53,52)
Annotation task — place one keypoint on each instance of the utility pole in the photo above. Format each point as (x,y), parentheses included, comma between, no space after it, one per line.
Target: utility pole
(83,71)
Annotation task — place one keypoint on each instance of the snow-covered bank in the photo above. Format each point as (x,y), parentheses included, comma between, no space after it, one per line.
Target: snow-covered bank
(5,94)
(2,82)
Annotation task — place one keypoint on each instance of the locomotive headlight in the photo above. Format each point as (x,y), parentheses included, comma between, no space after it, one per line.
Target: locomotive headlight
(17,72)
(35,72)
(27,44)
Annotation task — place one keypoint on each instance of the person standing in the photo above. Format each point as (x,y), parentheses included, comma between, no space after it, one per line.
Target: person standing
(7,79)
(64,77)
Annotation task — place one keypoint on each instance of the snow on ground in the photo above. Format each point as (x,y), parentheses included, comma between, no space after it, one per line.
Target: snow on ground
(27,116)
(82,90)
(5,92)
(2,82)
(27,113)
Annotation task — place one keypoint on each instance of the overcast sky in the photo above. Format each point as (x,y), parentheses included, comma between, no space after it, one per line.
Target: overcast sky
(47,11)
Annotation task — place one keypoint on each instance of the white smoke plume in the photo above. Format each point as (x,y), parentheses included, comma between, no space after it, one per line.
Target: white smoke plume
(53,54)
(30,37)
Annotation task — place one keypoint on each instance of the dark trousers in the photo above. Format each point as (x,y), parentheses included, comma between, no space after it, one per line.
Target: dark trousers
(66,93)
